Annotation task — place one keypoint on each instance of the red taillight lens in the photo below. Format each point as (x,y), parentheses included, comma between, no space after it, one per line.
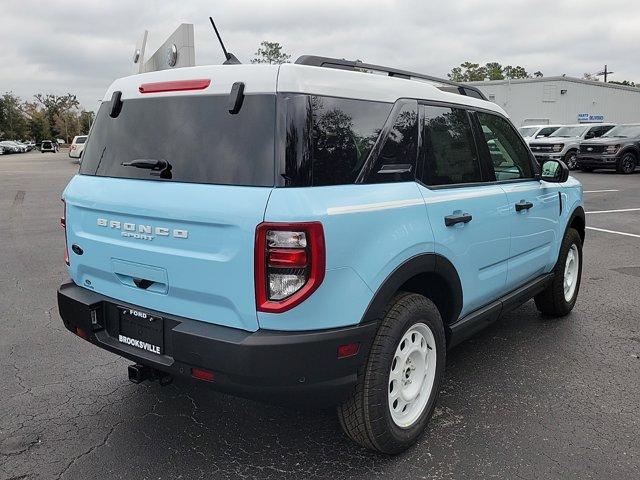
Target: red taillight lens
(287,258)
(63,224)
(289,264)
(202,374)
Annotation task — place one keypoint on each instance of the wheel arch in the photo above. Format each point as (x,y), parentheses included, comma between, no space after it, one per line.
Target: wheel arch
(577,220)
(630,149)
(429,274)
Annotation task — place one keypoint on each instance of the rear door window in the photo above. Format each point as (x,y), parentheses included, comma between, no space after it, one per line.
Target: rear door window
(81,140)
(450,155)
(195,134)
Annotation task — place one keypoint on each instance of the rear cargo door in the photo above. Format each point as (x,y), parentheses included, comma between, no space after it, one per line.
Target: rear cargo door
(165,208)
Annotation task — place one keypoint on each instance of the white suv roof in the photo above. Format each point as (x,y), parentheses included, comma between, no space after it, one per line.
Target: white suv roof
(294,78)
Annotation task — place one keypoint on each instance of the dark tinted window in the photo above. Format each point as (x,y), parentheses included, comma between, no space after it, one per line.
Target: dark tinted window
(343,134)
(197,135)
(395,161)
(546,131)
(450,153)
(509,155)
(327,139)
(81,140)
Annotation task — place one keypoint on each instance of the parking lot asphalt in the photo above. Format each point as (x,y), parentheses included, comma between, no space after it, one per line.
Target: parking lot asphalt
(527,398)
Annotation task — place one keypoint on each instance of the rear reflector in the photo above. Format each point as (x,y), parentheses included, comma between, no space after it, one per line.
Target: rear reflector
(174,86)
(81,333)
(201,374)
(348,350)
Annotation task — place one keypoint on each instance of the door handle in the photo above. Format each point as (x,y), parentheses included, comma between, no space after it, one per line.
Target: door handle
(523,205)
(451,220)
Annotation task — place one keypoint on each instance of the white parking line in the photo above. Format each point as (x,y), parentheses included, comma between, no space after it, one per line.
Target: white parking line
(599,191)
(617,211)
(613,231)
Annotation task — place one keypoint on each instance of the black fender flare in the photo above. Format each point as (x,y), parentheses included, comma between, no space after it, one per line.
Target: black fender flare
(416,265)
(578,212)
(629,148)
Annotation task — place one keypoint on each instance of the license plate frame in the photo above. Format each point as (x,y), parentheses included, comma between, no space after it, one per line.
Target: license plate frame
(141,330)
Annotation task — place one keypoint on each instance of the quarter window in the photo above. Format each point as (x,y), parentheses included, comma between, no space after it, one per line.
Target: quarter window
(396,159)
(449,149)
(343,134)
(509,155)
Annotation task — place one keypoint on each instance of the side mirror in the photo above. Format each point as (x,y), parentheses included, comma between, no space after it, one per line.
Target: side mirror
(554,171)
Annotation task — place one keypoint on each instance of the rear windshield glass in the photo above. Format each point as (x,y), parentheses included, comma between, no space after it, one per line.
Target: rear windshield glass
(81,140)
(195,135)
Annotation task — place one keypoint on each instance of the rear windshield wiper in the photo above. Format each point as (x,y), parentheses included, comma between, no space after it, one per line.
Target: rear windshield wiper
(158,167)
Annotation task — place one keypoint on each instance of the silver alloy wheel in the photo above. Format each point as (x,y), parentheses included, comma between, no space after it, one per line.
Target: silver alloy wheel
(571,270)
(572,161)
(412,375)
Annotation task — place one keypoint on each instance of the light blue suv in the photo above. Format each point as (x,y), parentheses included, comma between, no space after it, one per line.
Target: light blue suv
(311,232)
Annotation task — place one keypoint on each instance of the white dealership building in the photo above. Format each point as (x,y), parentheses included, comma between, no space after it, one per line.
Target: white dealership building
(563,100)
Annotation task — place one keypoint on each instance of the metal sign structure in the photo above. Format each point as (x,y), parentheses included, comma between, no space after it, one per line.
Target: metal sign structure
(177,51)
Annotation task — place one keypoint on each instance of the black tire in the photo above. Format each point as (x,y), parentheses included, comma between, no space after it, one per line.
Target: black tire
(627,164)
(587,169)
(365,416)
(571,159)
(552,302)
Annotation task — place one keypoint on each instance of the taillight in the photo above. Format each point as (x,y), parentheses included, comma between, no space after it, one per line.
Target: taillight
(63,224)
(289,264)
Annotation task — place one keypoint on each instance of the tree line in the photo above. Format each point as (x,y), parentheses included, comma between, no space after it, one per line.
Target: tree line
(45,117)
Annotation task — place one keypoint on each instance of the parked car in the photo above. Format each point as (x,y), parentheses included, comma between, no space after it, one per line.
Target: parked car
(563,143)
(77,146)
(1,150)
(532,132)
(12,147)
(617,149)
(333,261)
(48,146)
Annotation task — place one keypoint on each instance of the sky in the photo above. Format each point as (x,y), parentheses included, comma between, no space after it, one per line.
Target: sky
(80,47)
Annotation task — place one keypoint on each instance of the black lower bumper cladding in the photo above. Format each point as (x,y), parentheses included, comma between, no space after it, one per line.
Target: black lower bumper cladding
(273,365)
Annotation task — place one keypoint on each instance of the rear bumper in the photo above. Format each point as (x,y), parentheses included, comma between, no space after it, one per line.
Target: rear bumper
(275,365)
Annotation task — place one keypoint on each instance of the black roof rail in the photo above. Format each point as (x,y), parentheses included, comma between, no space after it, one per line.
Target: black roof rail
(356,66)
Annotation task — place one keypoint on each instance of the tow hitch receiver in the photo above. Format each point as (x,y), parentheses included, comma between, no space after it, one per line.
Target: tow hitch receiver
(140,373)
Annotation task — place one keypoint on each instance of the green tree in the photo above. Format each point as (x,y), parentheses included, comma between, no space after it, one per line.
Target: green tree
(515,72)
(494,71)
(38,122)
(473,72)
(625,82)
(57,109)
(13,124)
(270,52)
